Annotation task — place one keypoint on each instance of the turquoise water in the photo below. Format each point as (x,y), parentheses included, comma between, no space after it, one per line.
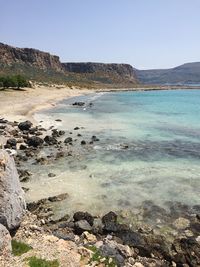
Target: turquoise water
(149,149)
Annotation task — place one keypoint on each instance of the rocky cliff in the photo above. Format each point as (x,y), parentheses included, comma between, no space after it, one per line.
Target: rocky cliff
(123,70)
(11,55)
(42,66)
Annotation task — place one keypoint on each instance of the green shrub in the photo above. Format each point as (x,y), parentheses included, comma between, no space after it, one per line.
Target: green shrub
(36,262)
(15,81)
(19,248)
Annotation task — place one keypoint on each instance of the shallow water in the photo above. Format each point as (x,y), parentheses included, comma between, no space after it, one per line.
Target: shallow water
(161,162)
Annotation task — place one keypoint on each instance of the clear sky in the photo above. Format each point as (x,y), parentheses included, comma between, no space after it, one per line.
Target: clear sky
(144,33)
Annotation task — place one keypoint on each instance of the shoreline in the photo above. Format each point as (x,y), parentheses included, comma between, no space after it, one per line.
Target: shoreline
(134,237)
(21,105)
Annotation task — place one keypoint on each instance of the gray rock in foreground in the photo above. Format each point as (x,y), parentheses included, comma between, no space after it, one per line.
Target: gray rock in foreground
(12,202)
(5,241)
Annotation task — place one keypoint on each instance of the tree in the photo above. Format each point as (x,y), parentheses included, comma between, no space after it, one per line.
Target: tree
(15,81)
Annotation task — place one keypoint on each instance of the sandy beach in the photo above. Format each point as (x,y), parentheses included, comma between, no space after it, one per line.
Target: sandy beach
(21,104)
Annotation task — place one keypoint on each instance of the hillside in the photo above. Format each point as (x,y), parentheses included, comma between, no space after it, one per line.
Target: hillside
(42,66)
(188,73)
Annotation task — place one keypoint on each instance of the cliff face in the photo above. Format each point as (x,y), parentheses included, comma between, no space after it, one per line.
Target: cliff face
(10,55)
(124,70)
(42,66)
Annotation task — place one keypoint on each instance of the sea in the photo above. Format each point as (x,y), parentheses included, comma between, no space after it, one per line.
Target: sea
(147,149)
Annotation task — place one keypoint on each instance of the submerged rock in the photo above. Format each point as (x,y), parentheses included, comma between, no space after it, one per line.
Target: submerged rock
(83,142)
(181,223)
(58,197)
(68,140)
(12,202)
(94,138)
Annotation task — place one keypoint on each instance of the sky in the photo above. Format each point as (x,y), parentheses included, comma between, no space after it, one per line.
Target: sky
(144,33)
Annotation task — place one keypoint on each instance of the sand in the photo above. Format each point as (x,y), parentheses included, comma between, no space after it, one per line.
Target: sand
(20,105)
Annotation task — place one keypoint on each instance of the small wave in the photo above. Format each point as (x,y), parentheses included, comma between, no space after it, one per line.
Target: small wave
(112,147)
(96,96)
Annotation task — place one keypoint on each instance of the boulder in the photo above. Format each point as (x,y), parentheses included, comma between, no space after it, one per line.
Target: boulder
(35,141)
(11,142)
(109,217)
(12,201)
(78,216)
(25,126)
(5,242)
(82,226)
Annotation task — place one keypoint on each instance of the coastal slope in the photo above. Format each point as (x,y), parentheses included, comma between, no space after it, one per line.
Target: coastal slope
(188,73)
(42,66)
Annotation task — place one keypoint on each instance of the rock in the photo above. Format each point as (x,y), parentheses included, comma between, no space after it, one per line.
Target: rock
(110,249)
(34,141)
(23,147)
(90,237)
(55,133)
(195,227)
(64,236)
(24,175)
(76,128)
(59,154)
(82,226)
(94,138)
(50,140)
(12,201)
(78,216)
(25,126)
(12,142)
(83,142)
(187,252)
(97,226)
(58,197)
(61,133)
(3,120)
(58,120)
(109,217)
(33,130)
(135,240)
(80,104)
(5,242)
(181,223)
(68,140)
(138,264)
(51,174)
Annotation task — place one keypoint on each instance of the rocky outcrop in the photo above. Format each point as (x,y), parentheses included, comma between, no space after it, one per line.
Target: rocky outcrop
(10,55)
(5,242)
(12,202)
(42,66)
(124,70)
